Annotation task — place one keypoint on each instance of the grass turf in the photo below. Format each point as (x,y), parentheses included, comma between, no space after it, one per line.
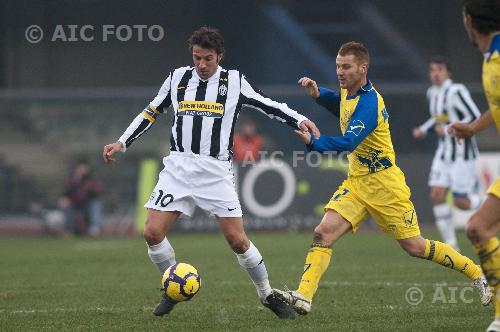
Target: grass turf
(110,284)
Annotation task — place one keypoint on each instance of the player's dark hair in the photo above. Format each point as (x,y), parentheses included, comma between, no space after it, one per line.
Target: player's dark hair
(359,51)
(209,38)
(485,15)
(441,60)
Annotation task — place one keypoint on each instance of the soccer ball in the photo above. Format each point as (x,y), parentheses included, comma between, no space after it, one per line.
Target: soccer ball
(181,282)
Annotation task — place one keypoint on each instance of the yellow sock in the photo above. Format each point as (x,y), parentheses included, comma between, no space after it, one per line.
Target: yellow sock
(446,256)
(317,261)
(489,255)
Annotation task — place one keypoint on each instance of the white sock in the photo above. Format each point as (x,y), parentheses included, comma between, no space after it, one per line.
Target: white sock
(444,223)
(475,201)
(162,255)
(253,263)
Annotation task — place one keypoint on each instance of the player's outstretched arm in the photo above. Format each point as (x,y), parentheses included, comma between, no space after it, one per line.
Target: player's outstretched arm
(110,150)
(363,122)
(327,98)
(254,98)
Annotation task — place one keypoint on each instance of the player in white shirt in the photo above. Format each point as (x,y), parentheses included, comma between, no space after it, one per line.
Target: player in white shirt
(454,164)
(206,100)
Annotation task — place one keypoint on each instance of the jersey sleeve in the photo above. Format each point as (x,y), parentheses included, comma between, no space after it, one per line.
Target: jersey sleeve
(465,107)
(147,117)
(363,122)
(330,100)
(254,98)
(427,125)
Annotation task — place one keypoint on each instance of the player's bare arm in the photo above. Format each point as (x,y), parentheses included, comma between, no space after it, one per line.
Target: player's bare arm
(466,130)
(110,150)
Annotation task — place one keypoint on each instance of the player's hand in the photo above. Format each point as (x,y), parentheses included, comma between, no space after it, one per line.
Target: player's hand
(304,135)
(461,130)
(418,133)
(310,86)
(308,125)
(439,130)
(110,150)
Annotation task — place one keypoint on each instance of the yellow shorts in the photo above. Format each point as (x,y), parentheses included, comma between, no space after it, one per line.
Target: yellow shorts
(495,188)
(384,195)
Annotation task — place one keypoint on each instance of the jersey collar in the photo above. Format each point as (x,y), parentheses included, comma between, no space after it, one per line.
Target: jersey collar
(364,89)
(367,87)
(494,46)
(215,75)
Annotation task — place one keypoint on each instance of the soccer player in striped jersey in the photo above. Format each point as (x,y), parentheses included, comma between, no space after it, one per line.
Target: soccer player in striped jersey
(375,185)
(454,165)
(482,23)
(206,100)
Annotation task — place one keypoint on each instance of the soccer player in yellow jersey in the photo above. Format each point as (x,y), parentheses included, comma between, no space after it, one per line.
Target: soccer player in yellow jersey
(482,22)
(375,185)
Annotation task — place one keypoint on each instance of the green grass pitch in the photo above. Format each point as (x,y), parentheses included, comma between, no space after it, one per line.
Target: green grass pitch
(110,284)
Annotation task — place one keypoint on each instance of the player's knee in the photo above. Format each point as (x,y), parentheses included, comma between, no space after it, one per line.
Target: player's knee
(414,251)
(414,248)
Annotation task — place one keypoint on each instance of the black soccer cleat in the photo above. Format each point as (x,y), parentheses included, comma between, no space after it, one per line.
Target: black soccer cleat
(165,306)
(280,308)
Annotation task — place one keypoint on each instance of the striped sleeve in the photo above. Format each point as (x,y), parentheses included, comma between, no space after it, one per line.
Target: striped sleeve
(147,117)
(254,98)
(427,125)
(465,107)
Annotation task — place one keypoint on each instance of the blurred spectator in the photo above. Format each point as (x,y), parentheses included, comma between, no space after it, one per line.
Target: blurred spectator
(247,144)
(81,203)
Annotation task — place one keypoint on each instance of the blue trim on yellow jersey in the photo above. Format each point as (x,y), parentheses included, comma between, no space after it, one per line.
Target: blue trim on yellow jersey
(330,100)
(366,88)
(363,121)
(495,46)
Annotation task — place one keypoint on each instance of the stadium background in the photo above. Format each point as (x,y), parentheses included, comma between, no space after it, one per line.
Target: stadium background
(62,101)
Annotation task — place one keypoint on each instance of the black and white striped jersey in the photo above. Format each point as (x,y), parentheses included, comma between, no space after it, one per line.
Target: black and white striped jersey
(450,103)
(206,111)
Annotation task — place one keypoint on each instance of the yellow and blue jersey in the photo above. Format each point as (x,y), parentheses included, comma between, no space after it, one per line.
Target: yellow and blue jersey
(364,122)
(491,84)
(491,79)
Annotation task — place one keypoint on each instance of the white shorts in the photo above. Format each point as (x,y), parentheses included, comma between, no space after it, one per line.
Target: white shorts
(459,176)
(189,180)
